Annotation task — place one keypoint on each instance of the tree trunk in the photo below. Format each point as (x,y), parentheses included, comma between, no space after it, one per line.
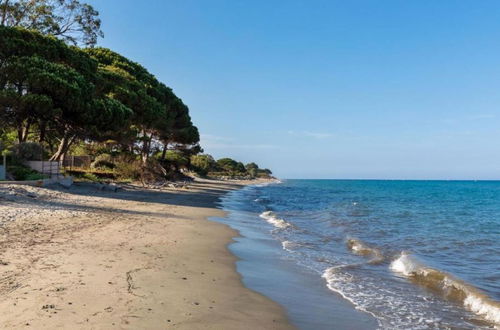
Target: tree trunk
(164,152)
(4,12)
(145,147)
(66,142)
(43,128)
(20,134)
(23,130)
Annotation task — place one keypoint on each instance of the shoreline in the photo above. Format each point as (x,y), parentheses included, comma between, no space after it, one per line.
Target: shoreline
(309,303)
(137,258)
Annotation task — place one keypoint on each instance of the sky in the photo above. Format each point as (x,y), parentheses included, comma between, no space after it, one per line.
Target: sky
(328,89)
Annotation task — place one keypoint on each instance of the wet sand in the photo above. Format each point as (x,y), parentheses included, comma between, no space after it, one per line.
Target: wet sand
(135,259)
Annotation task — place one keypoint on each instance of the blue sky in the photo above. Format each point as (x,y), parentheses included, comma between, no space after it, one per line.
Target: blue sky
(328,89)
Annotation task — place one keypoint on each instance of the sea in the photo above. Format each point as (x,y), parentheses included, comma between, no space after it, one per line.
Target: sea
(372,254)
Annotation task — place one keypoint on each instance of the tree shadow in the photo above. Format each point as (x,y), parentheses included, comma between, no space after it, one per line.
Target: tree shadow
(200,194)
(203,194)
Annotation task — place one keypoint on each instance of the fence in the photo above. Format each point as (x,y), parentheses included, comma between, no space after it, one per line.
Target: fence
(2,172)
(52,169)
(77,162)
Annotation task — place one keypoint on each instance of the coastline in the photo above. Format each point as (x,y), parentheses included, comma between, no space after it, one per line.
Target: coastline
(267,266)
(137,258)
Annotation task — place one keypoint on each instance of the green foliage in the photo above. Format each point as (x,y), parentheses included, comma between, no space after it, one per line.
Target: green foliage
(103,161)
(24,173)
(177,158)
(79,99)
(44,84)
(202,164)
(69,20)
(7,138)
(128,171)
(89,177)
(28,151)
(35,176)
(252,166)
(266,171)
(64,94)
(252,169)
(6,152)
(227,167)
(227,164)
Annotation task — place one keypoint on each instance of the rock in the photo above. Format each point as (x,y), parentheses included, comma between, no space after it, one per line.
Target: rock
(31,195)
(112,187)
(67,182)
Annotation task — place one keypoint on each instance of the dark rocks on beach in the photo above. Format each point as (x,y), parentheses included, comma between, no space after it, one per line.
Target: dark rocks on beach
(109,187)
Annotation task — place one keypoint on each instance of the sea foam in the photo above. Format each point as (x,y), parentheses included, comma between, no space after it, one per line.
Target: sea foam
(362,249)
(450,287)
(288,245)
(271,217)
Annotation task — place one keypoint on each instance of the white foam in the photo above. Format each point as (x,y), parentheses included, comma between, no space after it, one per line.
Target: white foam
(271,217)
(391,309)
(289,245)
(405,265)
(486,309)
(474,300)
(332,281)
(360,248)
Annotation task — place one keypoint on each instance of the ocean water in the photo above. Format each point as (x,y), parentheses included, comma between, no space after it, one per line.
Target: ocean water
(361,254)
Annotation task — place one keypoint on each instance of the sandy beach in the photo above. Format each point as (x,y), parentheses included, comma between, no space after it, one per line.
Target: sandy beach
(82,258)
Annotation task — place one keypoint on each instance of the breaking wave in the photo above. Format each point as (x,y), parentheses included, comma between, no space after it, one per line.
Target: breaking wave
(271,217)
(362,249)
(448,286)
(289,246)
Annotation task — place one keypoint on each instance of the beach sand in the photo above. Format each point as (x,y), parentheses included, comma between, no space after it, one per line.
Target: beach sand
(135,259)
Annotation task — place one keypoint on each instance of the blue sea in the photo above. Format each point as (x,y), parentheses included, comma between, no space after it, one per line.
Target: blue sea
(368,254)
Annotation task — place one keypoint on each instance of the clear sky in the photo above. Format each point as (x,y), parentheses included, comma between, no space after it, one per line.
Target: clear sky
(328,89)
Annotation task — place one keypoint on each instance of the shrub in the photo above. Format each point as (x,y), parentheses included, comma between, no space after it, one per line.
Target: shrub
(103,161)
(28,151)
(35,176)
(177,158)
(202,164)
(90,177)
(128,170)
(24,173)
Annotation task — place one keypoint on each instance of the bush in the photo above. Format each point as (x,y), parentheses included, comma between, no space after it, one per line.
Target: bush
(28,151)
(35,176)
(202,164)
(103,161)
(23,173)
(128,171)
(89,177)
(177,158)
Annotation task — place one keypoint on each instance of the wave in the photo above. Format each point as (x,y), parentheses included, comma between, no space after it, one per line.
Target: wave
(448,286)
(271,217)
(267,183)
(361,248)
(331,277)
(262,200)
(289,245)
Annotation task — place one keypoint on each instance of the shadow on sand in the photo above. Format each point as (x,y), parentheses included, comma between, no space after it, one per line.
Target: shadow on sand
(203,194)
